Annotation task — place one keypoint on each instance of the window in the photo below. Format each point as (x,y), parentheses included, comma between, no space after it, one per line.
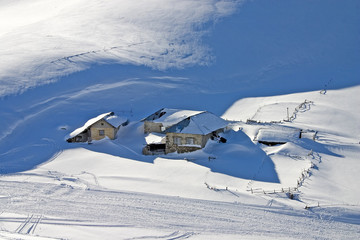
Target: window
(177,140)
(190,141)
(101,132)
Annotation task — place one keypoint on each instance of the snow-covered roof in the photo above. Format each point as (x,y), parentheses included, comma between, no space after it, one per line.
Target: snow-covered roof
(109,117)
(187,121)
(88,124)
(154,138)
(116,121)
(277,135)
(202,123)
(168,117)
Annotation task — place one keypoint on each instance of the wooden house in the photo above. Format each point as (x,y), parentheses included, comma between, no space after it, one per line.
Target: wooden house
(174,130)
(97,128)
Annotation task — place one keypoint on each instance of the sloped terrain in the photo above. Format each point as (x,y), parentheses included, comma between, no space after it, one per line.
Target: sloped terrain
(269,69)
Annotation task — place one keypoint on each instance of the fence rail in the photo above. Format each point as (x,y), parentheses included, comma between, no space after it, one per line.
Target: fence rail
(282,190)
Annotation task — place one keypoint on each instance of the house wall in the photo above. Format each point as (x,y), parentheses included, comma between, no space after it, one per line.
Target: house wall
(109,130)
(199,142)
(152,127)
(82,137)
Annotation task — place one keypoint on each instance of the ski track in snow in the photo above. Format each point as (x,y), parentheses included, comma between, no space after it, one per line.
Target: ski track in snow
(29,224)
(99,208)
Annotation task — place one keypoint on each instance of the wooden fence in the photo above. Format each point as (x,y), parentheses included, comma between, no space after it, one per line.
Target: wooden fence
(282,190)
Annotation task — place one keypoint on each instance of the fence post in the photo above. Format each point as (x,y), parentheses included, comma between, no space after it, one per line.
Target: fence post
(288,118)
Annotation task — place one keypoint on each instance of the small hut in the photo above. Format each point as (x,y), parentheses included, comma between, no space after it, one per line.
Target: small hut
(277,136)
(97,128)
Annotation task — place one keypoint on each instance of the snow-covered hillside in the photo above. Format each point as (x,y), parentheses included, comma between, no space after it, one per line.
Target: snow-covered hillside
(69,36)
(273,70)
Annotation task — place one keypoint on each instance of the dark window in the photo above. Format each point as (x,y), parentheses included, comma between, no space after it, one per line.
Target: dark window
(156,147)
(190,141)
(177,140)
(101,132)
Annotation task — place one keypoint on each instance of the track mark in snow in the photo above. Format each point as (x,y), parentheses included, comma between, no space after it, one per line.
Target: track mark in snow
(102,208)
(157,237)
(33,220)
(55,147)
(173,236)
(80,56)
(270,203)
(33,227)
(183,236)
(232,192)
(257,173)
(93,175)
(23,224)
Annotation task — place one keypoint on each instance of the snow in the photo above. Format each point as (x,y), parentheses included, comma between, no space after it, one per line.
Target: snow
(204,123)
(121,215)
(154,138)
(116,121)
(53,39)
(279,135)
(256,62)
(174,116)
(191,145)
(335,139)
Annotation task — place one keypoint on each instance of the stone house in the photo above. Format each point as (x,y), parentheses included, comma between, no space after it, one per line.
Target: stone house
(164,118)
(174,130)
(97,128)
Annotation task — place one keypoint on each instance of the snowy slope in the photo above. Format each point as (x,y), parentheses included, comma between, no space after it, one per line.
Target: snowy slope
(334,121)
(79,182)
(234,170)
(63,40)
(245,60)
